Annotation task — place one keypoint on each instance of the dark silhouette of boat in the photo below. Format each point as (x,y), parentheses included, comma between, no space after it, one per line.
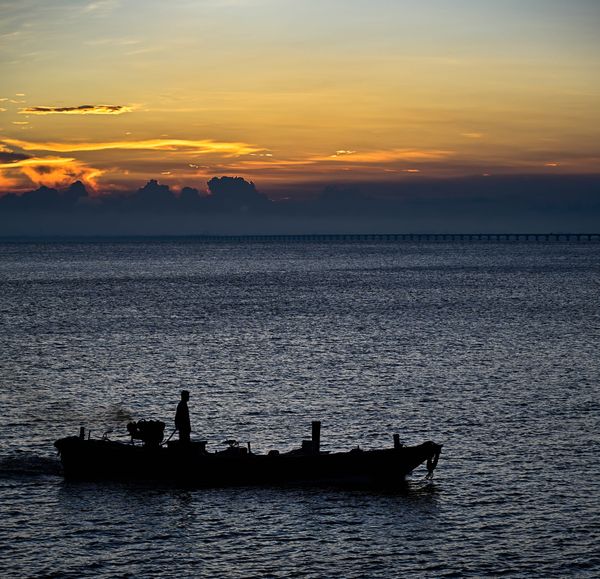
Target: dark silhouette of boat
(192,464)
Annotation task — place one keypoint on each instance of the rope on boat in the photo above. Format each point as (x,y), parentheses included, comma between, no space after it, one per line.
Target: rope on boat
(172,433)
(432,463)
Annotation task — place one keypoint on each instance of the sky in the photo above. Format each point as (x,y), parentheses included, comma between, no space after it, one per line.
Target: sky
(295,94)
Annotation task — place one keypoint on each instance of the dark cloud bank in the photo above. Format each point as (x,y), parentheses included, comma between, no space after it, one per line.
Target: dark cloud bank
(507,204)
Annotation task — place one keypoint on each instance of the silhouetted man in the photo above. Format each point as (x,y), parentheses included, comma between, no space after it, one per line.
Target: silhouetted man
(182,418)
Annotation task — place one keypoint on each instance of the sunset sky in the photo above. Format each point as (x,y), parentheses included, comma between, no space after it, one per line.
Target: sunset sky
(295,92)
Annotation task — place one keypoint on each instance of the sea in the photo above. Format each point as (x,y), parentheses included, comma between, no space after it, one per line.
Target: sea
(491,349)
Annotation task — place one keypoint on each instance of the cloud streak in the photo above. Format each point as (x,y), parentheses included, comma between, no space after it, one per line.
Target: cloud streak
(201,147)
(388,156)
(80,110)
(36,161)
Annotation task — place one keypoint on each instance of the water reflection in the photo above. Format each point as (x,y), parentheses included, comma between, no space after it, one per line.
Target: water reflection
(472,346)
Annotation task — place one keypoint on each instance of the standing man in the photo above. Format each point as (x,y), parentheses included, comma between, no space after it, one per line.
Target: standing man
(182,418)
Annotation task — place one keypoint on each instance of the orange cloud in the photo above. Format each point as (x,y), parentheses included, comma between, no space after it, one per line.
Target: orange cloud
(49,171)
(80,110)
(202,147)
(7,183)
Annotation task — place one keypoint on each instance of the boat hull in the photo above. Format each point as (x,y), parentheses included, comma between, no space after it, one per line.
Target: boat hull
(191,465)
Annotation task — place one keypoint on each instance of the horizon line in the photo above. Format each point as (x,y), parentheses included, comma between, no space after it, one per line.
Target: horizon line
(552,237)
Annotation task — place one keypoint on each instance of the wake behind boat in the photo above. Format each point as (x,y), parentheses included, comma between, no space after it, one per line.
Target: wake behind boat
(190,463)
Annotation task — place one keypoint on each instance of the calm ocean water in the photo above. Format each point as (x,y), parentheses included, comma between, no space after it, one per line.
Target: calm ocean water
(490,349)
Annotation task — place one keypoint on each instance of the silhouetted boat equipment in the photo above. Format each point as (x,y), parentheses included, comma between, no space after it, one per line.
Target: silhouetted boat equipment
(192,464)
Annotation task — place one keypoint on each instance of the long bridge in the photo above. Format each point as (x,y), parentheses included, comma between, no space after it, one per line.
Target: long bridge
(415,237)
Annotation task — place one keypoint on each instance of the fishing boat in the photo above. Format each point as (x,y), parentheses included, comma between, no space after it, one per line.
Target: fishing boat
(192,464)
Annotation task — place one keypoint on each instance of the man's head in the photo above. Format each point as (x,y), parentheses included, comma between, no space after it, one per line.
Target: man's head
(185,395)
